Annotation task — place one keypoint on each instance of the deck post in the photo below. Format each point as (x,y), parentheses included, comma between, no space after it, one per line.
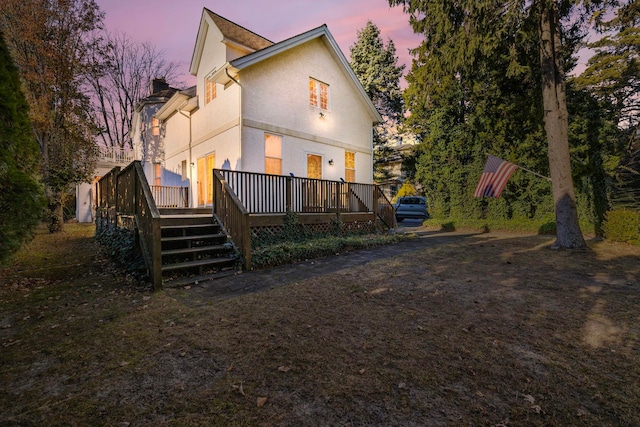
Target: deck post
(289,192)
(375,203)
(338,201)
(246,241)
(156,254)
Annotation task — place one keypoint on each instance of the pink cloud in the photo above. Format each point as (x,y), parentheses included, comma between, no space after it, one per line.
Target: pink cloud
(172,25)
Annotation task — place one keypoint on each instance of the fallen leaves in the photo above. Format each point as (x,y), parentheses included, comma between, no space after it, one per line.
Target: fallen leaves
(532,401)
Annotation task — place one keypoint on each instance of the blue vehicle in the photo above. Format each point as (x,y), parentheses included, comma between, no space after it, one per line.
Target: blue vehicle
(411,207)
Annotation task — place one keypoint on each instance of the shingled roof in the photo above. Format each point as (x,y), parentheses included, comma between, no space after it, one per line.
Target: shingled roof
(238,34)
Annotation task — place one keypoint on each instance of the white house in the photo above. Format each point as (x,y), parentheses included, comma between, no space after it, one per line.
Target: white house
(293,107)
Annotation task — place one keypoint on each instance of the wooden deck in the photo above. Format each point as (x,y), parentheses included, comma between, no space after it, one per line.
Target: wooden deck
(244,204)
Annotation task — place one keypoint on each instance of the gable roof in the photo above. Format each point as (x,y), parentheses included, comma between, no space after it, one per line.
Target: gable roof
(231,32)
(238,34)
(262,48)
(231,69)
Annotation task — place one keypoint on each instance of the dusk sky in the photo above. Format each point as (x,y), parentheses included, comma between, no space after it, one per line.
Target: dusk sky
(172,25)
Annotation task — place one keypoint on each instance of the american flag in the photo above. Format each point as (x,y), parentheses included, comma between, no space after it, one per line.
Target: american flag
(494,177)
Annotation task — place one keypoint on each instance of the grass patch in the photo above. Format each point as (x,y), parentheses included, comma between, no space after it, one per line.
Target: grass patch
(527,226)
(482,329)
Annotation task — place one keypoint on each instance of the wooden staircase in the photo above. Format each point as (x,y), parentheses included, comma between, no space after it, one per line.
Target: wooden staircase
(195,247)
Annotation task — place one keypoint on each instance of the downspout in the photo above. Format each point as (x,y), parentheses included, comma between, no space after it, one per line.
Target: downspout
(226,70)
(191,186)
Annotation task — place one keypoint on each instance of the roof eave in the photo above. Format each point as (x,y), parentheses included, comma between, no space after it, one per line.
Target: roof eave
(174,103)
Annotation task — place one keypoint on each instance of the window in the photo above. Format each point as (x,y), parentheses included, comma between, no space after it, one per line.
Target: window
(158,173)
(272,154)
(210,91)
(314,166)
(183,170)
(155,126)
(350,166)
(318,94)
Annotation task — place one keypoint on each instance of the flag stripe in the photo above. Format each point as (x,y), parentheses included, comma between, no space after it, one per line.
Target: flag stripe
(494,177)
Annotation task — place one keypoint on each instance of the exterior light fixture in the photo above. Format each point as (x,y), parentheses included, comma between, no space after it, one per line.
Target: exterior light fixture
(330,160)
(321,115)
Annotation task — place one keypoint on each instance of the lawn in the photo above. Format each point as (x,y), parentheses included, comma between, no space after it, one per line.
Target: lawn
(479,330)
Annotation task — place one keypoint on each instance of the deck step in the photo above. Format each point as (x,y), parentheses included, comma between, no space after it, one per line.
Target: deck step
(198,263)
(187,226)
(191,280)
(223,247)
(196,237)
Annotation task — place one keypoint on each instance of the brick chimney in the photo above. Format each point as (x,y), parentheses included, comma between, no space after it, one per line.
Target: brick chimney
(158,84)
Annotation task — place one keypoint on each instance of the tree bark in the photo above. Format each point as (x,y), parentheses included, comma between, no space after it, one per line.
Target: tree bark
(56,212)
(568,233)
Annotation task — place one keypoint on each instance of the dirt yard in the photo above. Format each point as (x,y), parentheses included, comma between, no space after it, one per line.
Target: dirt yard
(450,330)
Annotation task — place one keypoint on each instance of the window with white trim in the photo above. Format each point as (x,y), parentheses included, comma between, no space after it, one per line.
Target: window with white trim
(210,91)
(272,154)
(350,166)
(318,94)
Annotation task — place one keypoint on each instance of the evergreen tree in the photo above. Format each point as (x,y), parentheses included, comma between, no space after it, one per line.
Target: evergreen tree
(375,65)
(612,76)
(479,60)
(21,195)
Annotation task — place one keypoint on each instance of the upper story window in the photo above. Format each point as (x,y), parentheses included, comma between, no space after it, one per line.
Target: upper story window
(318,94)
(210,91)
(155,127)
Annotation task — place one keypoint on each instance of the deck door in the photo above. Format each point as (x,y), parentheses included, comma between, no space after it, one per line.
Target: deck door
(314,166)
(205,179)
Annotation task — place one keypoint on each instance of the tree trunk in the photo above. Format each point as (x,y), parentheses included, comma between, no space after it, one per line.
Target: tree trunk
(568,234)
(56,213)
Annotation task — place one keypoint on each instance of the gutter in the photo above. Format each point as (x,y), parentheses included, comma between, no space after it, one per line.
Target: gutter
(191,186)
(226,70)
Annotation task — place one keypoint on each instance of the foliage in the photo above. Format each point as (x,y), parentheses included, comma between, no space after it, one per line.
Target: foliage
(51,42)
(596,150)
(407,189)
(476,88)
(119,244)
(21,194)
(295,232)
(622,226)
(375,66)
(296,251)
(612,72)
(123,71)
(517,225)
(612,78)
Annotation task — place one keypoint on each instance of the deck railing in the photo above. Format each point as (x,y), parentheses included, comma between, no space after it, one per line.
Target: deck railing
(233,216)
(170,197)
(262,194)
(115,155)
(126,194)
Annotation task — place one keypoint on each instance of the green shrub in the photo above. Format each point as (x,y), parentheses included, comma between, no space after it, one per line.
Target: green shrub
(119,244)
(548,227)
(292,252)
(407,189)
(622,226)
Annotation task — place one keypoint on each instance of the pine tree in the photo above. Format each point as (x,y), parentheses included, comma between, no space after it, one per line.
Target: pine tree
(376,67)
(473,46)
(21,195)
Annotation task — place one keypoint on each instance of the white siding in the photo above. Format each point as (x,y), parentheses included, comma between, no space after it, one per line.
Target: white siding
(276,99)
